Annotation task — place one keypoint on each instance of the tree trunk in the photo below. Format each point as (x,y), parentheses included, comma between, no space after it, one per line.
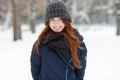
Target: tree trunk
(118,17)
(16,20)
(118,26)
(32,16)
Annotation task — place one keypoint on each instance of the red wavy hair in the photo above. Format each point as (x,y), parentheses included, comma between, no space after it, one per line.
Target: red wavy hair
(70,37)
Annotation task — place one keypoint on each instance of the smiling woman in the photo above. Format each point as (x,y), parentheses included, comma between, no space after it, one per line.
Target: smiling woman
(56,24)
(59,53)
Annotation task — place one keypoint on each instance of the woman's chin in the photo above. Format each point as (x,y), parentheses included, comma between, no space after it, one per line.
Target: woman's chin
(57,30)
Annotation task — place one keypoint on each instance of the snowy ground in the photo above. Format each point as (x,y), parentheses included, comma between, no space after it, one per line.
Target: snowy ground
(102,61)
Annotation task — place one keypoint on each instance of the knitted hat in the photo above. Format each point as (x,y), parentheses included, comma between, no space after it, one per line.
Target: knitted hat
(56,9)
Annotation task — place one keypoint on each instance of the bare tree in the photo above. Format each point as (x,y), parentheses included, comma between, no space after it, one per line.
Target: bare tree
(118,16)
(32,15)
(16,20)
(76,13)
(5,14)
(41,5)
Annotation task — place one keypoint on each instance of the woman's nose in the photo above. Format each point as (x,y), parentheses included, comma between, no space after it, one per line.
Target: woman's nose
(56,22)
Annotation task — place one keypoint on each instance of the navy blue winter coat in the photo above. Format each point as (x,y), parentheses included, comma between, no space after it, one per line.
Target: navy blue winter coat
(49,66)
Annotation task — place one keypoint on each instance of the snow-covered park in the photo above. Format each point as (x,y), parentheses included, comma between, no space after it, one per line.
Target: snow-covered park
(102,59)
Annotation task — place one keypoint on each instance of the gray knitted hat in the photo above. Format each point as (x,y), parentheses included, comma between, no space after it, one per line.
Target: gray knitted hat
(56,9)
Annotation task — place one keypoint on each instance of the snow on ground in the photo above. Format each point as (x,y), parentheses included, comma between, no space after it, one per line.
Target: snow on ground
(102,60)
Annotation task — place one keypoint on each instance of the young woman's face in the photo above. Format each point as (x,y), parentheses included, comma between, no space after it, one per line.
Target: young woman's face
(56,24)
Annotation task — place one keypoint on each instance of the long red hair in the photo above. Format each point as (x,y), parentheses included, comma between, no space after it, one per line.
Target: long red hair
(70,37)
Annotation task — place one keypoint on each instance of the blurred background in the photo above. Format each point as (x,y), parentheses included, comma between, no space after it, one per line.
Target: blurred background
(31,12)
(21,22)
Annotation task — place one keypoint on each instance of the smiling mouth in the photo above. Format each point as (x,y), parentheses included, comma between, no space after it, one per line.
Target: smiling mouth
(57,28)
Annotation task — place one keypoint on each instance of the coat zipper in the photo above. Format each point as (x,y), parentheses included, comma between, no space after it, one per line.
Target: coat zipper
(67,69)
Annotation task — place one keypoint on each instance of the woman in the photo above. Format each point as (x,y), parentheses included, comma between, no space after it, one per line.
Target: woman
(59,53)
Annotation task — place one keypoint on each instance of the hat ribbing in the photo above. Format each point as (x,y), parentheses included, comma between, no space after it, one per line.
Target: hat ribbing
(56,9)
